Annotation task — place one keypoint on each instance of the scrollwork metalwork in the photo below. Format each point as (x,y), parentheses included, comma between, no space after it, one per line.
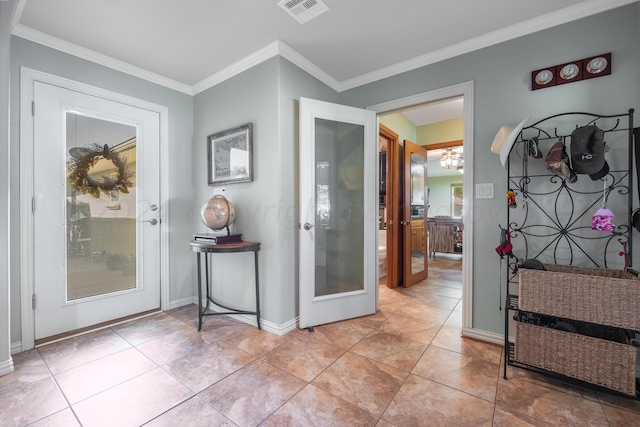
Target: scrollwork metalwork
(552,220)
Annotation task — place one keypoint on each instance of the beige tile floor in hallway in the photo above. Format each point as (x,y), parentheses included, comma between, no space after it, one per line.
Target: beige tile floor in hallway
(404,366)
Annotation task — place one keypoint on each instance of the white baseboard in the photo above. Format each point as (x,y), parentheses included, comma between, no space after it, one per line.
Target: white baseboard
(274,328)
(182,302)
(16,347)
(280,329)
(481,335)
(6,367)
(250,319)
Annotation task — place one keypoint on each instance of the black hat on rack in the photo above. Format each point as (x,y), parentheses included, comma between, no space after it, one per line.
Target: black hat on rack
(587,152)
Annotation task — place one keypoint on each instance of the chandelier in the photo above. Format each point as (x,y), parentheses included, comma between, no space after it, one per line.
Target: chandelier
(450,159)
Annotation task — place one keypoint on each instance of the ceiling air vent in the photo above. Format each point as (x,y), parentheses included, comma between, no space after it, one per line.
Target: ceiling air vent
(303,10)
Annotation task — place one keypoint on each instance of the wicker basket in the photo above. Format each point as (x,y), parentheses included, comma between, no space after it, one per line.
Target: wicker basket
(604,363)
(601,296)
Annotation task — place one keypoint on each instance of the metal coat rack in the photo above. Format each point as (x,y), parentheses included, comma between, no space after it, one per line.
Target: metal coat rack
(551,222)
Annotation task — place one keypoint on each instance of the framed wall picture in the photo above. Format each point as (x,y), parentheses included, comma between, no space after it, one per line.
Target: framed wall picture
(230,155)
(456,200)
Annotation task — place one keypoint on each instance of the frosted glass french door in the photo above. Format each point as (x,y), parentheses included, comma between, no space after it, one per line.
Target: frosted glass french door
(338,196)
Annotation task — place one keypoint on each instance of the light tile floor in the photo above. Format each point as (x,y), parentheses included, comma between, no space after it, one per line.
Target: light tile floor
(404,366)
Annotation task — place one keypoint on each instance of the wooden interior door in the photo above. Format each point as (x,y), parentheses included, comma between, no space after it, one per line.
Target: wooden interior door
(414,213)
(390,203)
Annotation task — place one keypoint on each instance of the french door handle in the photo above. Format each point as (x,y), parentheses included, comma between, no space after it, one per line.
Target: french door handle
(151,221)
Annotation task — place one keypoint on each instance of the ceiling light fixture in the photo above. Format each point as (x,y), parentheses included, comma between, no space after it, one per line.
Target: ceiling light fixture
(450,159)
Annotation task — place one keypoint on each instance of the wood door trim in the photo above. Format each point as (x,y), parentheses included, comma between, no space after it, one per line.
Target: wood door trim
(448,144)
(393,205)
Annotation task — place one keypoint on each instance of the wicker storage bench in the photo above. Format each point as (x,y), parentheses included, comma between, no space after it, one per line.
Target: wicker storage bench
(596,296)
(605,363)
(600,296)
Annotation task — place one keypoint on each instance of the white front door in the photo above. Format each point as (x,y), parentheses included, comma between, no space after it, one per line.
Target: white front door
(96,225)
(338,212)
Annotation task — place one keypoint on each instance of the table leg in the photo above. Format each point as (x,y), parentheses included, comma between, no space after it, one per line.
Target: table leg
(206,279)
(199,293)
(257,290)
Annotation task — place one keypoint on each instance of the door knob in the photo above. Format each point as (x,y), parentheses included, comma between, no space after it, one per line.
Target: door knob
(307,226)
(151,221)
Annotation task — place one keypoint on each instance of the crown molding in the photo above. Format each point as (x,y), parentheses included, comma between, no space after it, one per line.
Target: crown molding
(267,52)
(98,58)
(307,66)
(559,17)
(15,19)
(277,47)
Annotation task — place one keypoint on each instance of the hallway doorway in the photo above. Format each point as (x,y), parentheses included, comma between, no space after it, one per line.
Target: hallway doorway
(395,115)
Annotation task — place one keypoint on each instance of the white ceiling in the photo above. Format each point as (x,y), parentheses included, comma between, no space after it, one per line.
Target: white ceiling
(434,112)
(190,45)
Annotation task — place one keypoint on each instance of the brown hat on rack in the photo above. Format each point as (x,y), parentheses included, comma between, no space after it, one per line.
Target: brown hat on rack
(557,161)
(587,152)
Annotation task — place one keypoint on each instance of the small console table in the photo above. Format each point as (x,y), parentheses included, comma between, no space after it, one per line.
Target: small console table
(199,247)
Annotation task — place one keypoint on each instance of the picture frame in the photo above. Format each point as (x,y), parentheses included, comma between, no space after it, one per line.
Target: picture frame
(456,200)
(230,155)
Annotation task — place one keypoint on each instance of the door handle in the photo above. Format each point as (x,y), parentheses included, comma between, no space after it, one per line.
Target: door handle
(151,221)
(307,226)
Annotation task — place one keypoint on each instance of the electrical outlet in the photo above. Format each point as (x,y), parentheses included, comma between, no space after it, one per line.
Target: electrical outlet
(484,191)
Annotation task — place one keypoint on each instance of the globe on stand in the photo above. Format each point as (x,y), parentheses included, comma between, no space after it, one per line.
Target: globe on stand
(218,213)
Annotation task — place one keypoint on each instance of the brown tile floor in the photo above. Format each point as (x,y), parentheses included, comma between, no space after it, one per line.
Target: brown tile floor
(404,366)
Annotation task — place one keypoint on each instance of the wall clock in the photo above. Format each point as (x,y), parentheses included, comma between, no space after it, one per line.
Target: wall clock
(543,78)
(588,68)
(570,72)
(597,66)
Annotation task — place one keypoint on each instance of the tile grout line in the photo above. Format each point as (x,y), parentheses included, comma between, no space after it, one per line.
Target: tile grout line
(64,396)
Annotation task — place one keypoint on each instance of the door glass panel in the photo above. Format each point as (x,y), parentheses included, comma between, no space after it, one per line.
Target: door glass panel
(339,201)
(100,207)
(417,213)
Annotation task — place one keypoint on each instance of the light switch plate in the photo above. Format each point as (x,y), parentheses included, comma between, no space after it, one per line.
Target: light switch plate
(484,191)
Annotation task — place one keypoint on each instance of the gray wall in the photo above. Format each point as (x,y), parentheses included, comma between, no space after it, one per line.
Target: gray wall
(35,56)
(501,76)
(249,97)
(267,208)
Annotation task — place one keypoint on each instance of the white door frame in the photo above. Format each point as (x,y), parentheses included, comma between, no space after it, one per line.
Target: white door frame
(466,90)
(27,261)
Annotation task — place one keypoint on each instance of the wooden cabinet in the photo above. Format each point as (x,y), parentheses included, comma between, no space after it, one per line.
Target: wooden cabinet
(417,235)
(445,235)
